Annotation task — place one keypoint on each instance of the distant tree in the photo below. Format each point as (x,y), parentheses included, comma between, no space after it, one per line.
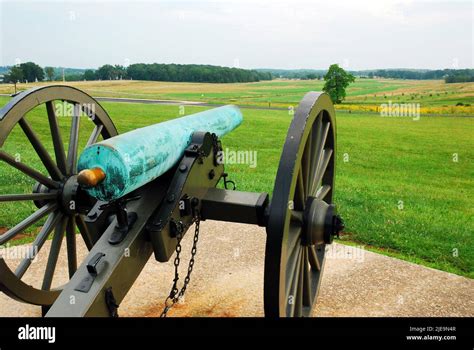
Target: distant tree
(337,80)
(106,72)
(120,72)
(89,74)
(74,77)
(109,72)
(138,71)
(32,72)
(14,76)
(49,73)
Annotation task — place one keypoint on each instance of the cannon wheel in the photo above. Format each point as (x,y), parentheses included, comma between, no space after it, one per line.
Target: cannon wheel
(50,190)
(293,268)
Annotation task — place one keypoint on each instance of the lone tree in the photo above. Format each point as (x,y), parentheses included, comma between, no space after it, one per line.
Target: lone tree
(14,76)
(337,79)
(49,73)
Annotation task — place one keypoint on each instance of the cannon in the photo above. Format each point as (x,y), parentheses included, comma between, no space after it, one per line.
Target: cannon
(137,194)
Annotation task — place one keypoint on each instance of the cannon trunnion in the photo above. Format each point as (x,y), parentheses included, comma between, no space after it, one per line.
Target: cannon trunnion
(123,230)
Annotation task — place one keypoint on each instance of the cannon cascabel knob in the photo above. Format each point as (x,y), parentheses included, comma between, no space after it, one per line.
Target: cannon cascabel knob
(90,177)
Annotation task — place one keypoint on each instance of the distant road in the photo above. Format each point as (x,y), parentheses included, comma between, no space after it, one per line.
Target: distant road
(180,103)
(173,103)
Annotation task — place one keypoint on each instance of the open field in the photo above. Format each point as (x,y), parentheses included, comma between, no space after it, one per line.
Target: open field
(434,96)
(398,187)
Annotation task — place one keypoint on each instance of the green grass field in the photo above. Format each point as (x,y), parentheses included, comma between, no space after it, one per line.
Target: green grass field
(397,185)
(434,96)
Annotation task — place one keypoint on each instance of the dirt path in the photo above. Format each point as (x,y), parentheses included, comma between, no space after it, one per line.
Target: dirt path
(228,279)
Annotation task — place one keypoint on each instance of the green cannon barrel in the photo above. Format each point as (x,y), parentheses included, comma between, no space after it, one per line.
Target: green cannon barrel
(135,158)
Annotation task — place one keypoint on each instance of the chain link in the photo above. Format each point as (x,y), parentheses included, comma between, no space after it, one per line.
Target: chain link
(176,294)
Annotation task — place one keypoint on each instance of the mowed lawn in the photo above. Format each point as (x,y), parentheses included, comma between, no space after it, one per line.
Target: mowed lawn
(404,187)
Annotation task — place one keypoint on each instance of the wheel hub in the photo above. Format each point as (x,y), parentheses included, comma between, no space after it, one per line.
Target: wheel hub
(71,198)
(68,195)
(40,188)
(320,222)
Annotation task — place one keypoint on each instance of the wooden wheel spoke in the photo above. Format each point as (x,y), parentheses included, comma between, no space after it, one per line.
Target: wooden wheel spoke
(38,243)
(313,258)
(318,156)
(307,285)
(43,154)
(327,154)
(94,135)
(54,254)
(30,220)
(34,174)
(323,191)
(293,278)
(73,140)
(294,239)
(318,134)
(28,197)
(299,199)
(87,236)
(299,295)
(56,136)
(297,216)
(71,246)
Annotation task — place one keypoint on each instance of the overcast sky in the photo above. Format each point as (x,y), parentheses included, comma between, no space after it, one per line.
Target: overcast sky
(358,34)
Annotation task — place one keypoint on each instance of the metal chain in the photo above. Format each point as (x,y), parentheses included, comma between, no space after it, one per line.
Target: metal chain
(176,294)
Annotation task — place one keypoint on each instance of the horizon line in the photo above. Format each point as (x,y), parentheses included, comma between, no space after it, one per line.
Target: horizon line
(260,68)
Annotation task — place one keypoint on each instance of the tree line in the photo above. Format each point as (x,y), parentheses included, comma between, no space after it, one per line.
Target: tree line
(181,73)
(301,74)
(449,75)
(30,72)
(460,76)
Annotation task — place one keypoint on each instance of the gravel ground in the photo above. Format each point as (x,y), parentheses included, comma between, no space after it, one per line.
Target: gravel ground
(227,281)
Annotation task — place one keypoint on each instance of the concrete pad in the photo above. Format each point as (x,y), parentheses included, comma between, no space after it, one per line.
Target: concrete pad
(228,281)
